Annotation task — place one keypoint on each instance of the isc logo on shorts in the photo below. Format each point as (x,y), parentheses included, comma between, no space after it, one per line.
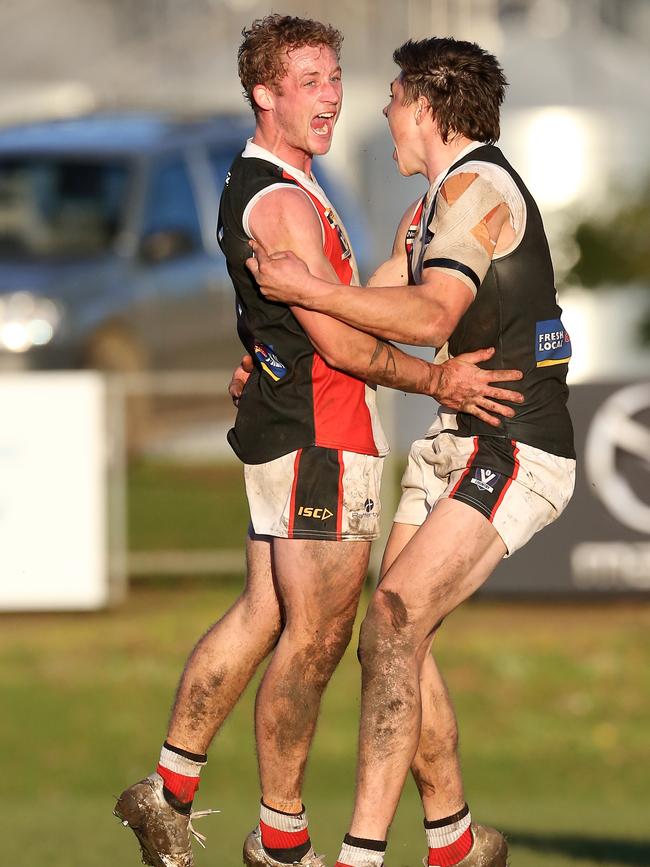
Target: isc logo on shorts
(317,512)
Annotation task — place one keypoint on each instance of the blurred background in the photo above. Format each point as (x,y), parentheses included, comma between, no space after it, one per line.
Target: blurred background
(122,514)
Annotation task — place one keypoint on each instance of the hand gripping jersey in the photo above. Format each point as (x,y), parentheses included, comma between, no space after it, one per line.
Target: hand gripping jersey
(293,398)
(515,310)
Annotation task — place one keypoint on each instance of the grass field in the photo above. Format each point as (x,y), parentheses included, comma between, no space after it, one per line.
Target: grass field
(553,703)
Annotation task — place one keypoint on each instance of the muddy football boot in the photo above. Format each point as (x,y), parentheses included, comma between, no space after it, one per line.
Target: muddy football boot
(163,833)
(255,855)
(489,849)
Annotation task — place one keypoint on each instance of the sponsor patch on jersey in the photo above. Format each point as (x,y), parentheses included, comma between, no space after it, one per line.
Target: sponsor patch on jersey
(552,343)
(329,216)
(269,362)
(410,237)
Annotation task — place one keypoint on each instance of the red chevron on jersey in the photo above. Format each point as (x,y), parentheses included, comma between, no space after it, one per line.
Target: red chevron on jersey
(413,228)
(293,399)
(340,408)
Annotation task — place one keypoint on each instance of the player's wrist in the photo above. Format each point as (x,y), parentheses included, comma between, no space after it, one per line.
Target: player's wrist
(435,379)
(317,293)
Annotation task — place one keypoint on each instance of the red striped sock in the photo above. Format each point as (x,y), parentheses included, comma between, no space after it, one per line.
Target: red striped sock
(285,836)
(449,839)
(180,771)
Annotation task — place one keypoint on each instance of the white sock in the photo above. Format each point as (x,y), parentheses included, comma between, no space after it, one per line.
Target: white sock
(360,852)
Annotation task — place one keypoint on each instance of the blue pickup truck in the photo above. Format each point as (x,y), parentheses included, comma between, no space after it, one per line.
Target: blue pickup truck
(108,254)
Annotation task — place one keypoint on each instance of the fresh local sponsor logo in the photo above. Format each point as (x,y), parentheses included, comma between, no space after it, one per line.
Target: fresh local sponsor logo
(317,512)
(552,343)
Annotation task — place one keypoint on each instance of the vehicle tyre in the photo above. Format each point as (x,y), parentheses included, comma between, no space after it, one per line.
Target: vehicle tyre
(113,350)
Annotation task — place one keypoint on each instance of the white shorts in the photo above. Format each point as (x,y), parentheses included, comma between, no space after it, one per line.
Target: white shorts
(316,493)
(518,488)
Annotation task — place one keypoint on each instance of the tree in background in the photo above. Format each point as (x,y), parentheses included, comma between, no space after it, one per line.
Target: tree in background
(615,251)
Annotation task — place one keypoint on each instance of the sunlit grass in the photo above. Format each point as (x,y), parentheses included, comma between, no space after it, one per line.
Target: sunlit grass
(552,701)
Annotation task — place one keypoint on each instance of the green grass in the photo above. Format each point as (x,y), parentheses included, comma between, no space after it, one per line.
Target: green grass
(552,700)
(175,506)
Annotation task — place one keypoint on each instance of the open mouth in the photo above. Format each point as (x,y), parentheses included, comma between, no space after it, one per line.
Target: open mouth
(323,123)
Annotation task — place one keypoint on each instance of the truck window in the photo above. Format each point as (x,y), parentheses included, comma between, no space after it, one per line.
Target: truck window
(170,202)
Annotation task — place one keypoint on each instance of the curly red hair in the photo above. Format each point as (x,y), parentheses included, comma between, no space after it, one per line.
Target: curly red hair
(260,56)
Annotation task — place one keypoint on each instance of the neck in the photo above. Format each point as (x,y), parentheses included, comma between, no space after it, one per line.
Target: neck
(440,155)
(272,139)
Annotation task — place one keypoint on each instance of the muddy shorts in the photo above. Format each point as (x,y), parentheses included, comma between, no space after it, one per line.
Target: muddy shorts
(518,488)
(316,493)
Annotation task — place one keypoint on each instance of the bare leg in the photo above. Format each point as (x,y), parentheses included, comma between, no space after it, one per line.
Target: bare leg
(224,660)
(447,559)
(319,584)
(436,767)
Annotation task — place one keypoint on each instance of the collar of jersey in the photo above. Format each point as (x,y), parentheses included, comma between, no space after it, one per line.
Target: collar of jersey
(433,189)
(308,181)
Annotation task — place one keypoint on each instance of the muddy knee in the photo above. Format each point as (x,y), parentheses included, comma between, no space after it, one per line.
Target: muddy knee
(385,627)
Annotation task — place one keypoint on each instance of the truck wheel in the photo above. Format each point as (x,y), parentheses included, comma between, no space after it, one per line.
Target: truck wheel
(114,350)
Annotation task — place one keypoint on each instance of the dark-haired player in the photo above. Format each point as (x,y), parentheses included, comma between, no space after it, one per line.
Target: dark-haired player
(471,268)
(312,448)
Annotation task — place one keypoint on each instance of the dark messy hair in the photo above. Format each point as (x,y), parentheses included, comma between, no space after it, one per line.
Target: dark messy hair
(463,84)
(260,58)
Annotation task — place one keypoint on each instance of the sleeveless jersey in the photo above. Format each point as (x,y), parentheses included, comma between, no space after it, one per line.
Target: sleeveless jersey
(293,398)
(515,311)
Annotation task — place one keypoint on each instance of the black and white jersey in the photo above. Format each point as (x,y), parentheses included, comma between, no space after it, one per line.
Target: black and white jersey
(515,311)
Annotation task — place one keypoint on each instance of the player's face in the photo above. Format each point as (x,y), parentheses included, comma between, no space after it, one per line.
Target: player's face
(307,101)
(404,130)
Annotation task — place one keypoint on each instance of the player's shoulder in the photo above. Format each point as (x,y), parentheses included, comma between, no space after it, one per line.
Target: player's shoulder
(284,215)
(458,183)
(496,175)
(285,199)
(249,175)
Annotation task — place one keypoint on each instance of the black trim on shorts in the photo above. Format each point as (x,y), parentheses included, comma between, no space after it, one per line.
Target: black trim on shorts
(489,472)
(316,500)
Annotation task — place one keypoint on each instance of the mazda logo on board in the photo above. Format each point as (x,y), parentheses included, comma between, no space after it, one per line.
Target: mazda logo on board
(616,429)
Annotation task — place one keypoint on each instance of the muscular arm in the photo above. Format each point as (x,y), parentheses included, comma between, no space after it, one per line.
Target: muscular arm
(425,314)
(285,219)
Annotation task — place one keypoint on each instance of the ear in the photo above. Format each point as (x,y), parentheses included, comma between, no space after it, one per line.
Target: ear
(263,97)
(421,109)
